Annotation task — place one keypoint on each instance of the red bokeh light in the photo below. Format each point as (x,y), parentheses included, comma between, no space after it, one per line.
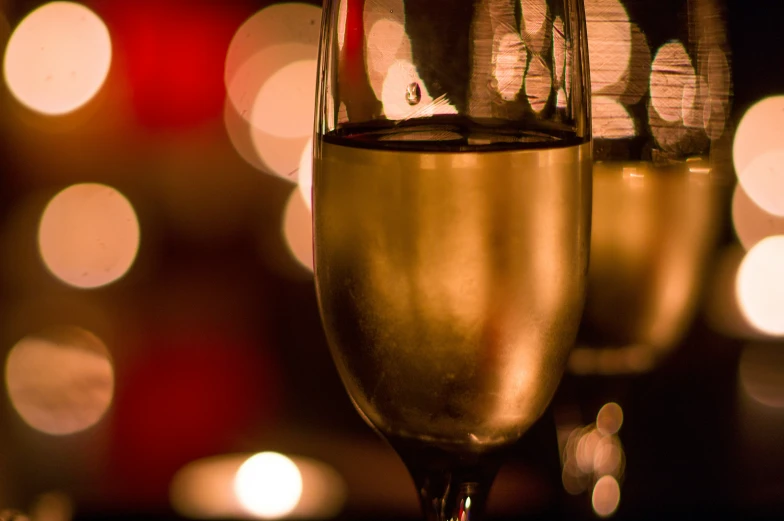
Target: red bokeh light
(193,393)
(174,54)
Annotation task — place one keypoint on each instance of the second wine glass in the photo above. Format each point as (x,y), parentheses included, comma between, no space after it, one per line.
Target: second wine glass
(451,211)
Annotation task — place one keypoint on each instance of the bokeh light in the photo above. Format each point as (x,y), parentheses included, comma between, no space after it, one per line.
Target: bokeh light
(305,176)
(606,496)
(609,418)
(538,84)
(269,485)
(57,58)
(763,180)
(760,131)
(297,230)
(760,285)
(752,223)
(610,119)
(534,31)
(88,235)
(61,381)
(761,374)
(270,79)
(208,488)
(52,506)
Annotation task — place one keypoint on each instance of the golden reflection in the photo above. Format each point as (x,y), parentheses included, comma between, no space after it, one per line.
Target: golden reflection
(297,230)
(57,58)
(214,488)
(606,496)
(752,223)
(538,83)
(609,45)
(60,381)
(761,374)
(653,230)
(760,285)
(760,131)
(88,235)
(673,82)
(509,57)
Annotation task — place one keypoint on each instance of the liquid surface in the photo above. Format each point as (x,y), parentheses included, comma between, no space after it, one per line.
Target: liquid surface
(451,283)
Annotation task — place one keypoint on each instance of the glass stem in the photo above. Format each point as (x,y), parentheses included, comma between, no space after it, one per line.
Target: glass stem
(452,488)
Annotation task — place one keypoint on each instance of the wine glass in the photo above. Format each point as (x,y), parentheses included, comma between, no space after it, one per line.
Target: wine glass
(451,214)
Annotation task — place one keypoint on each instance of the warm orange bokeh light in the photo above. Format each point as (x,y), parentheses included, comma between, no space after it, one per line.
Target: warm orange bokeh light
(60,382)
(88,235)
(609,418)
(57,58)
(760,285)
(606,496)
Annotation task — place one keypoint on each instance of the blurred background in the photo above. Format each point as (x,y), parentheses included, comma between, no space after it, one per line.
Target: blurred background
(161,344)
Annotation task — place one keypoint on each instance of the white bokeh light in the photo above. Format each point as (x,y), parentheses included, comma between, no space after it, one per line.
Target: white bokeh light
(57,58)
(763,180)
(752,223)
(268,485)
(760,285)
(761,130)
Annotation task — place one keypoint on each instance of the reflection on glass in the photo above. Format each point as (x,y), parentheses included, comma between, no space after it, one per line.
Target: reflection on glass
(653,230)
(57,58)
(60,381)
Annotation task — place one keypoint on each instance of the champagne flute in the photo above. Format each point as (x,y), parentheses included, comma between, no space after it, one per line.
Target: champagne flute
(451,214)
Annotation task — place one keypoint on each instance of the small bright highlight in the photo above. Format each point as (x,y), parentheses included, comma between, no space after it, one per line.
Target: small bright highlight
(57,58)
(268,485)
(60,382)
(760,285)
(88,235)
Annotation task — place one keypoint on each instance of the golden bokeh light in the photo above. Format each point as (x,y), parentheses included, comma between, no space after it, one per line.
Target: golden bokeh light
(763,180)
(88,235)
(760,285)
(606,496)
(269,485)
(509,57)
(761,374)
(60,382)
(207,489)
(609,45)
(249,59)
(752,223)
(761,130)
(673,83)
(57,58)
(297,230)
(609,418)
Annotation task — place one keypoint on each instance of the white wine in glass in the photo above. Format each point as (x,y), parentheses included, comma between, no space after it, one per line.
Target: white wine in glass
(451,224)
